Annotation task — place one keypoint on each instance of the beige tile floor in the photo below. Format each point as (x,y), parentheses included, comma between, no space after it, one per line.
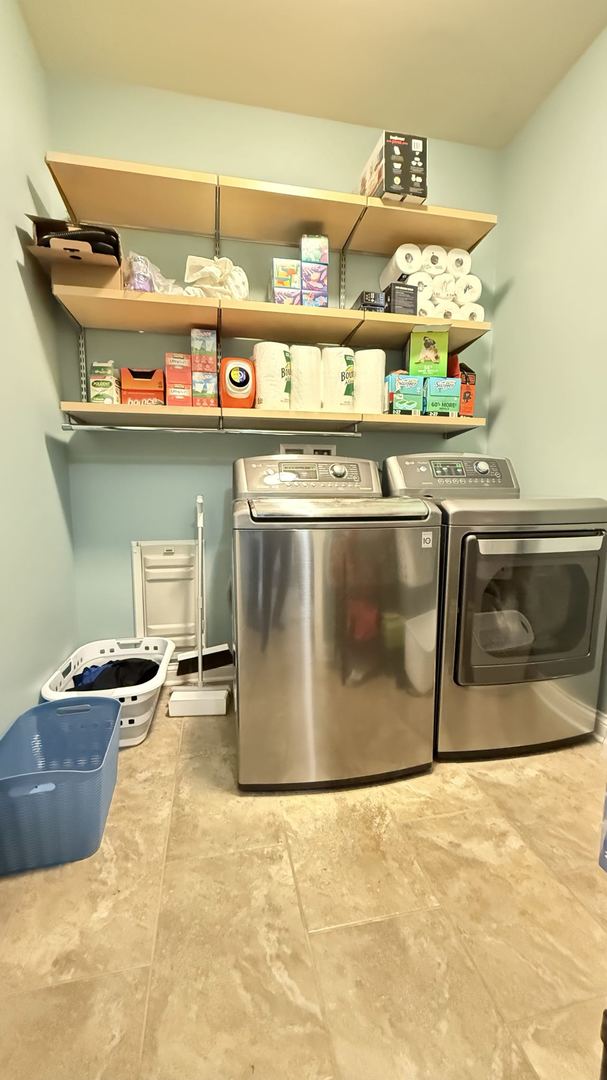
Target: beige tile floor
(450,927)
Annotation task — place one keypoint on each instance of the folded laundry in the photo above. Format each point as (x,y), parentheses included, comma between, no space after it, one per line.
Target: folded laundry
(115,673)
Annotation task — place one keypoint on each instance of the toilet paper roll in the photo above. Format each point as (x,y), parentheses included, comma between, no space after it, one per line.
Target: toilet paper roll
(272,375)
(443,287)
(434,260)
(369,375)
(306,390)
(337,379)
(407,259)
(426,309)
(468,289)
(473,312)
(459,262)
(423,283)
(447,309)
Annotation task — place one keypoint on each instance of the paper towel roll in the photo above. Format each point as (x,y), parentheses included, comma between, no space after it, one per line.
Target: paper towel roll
(473,312)
(306,389)
(443,287)
(447,309)
(337,379)
(272,375)
(369,374)
(459,262)
(423,283)
(407,259)
(468,289)
(434,260)
(426,309)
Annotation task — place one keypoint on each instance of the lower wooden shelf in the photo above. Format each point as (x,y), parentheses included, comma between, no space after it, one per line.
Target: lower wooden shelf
(163,416)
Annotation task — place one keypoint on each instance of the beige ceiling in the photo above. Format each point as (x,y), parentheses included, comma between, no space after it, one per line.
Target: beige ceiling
(467,70)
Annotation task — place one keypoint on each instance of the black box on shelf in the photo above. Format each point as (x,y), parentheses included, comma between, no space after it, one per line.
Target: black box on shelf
(401,299)
(369,301)
(397,169)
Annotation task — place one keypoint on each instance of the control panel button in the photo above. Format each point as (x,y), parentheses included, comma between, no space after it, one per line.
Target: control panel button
(482,467)
(339,471)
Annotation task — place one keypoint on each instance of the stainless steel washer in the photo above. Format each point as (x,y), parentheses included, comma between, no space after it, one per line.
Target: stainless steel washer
(522,606)
(335,623)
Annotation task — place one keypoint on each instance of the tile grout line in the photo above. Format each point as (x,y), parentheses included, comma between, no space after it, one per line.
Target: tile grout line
(538,1017)
(315,975)
(375,919)
(159,903)
(91,977)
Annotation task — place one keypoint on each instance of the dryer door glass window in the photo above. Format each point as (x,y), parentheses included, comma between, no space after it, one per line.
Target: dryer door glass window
(528,607)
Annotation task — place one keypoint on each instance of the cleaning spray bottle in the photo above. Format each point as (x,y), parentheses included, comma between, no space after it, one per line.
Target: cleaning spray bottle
(237,383)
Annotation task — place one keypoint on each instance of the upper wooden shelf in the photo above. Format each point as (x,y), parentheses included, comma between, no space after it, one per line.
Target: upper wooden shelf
(163,416)
(107,192)
(383,227)
(306,325)
(127,309)
(280,214)
(382,329)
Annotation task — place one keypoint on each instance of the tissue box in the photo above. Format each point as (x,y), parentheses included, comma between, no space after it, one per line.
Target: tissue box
(142,386)
(309,298)
(467,401)
(369,301)
(286,274)
(178,378)
(286,296)
(404,393)
(397,169)
(426,352)
(314,249)
(401,299)
(314,277)
(441,397)
(104,384)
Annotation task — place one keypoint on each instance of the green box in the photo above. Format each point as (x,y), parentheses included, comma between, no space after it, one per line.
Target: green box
(441,397)
(404,393)
(426,352)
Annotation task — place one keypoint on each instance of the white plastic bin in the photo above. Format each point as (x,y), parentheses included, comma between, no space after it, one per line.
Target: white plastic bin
(138,702)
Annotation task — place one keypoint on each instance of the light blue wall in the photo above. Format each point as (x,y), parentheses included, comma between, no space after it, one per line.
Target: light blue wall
(127,486)
(37,624)
(548,405)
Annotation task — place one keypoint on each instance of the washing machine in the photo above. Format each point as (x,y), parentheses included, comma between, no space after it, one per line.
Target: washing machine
(522,606)
(335,616)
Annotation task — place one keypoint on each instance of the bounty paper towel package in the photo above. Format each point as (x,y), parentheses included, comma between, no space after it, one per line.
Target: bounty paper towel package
(272,375)
(426,352)
(404,393)
(337,379)
(369,372)
(306,388)
(396,169)
(441,397)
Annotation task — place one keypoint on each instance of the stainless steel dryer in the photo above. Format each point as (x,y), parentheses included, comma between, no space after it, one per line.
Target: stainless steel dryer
(335,594)
(523,606)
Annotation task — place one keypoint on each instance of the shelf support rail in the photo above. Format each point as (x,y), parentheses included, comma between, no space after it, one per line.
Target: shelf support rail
(82,371)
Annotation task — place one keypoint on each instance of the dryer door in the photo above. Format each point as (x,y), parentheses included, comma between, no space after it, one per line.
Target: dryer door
(529,606)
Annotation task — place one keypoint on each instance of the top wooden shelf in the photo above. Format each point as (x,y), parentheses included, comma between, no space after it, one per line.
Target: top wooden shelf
(123,193)
(106,192)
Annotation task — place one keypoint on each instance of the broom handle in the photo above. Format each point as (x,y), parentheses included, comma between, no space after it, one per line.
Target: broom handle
(201,620)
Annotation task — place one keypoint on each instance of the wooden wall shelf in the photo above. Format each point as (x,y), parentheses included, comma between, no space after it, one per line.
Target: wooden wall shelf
(127,309)
(279,214)
(249,319)
(383,227)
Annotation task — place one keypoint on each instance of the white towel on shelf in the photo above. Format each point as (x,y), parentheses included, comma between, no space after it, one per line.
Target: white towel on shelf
(407,259)
(337,379)
(447,309)
(272,375)
(468,289)
(369,375)
(423,284)
(472,312)
(443,287)
(459,262)
(426,309)
(306,388)
(434,260)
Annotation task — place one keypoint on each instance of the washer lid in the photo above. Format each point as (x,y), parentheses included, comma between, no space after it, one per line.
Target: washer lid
(348,509)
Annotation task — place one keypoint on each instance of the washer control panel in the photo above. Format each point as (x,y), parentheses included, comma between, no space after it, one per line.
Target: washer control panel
(303,474)
(450,475)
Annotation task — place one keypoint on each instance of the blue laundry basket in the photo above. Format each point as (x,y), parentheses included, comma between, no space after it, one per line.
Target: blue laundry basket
(58,765)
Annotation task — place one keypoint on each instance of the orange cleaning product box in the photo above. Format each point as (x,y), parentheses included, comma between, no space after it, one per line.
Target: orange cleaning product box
(142,386)
(467,399)
(237,383)
(178,377)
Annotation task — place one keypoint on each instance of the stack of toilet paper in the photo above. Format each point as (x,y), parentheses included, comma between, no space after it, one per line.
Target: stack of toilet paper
(446,288)
(306,378)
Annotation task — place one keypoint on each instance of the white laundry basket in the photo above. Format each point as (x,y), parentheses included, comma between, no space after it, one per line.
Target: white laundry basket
(138,702)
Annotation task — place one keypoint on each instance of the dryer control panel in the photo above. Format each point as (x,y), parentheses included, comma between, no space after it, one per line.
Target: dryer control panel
(306,475)
(444,475)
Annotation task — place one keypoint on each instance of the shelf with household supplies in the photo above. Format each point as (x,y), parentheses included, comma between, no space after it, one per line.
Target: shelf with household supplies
(127,309)
(85,415)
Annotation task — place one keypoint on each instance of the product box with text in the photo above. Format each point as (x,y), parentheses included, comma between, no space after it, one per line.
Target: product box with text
(403,393)
(426,352)
(178,378)
(441,397)
(142,386)
(397,169)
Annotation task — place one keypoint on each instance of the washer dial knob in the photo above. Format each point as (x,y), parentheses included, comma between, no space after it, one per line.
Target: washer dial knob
(338,471)
(482,467)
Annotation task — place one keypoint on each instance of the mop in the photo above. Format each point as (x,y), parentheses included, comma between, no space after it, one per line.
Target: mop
(201,700)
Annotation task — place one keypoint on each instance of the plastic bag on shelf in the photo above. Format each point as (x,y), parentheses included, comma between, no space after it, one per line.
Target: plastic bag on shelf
(144,276)
(216,277)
